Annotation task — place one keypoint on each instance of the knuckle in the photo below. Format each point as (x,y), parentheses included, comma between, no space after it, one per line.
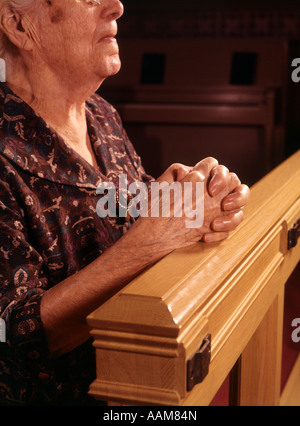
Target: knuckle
(245,192)
(242,197)
(207,162)
(196,175)
(177,165)
(211,160)
(235,179)
(238,218)
(241,215)
(222,168)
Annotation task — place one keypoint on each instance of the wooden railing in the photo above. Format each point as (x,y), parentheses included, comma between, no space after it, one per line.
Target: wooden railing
(226,298)
(218,106)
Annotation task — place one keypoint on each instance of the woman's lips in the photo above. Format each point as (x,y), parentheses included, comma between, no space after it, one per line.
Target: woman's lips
(109,38)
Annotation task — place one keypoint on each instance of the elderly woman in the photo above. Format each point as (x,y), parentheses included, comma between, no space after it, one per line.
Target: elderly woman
(59,140)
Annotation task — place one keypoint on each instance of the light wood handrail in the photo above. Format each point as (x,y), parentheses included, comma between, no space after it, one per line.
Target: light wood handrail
(233,291)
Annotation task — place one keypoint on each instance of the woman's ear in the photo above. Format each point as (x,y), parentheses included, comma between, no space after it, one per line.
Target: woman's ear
(13,25)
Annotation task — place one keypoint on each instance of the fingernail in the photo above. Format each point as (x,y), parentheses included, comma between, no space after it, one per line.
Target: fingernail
(209,238)
(214,189)
(229,205)
(218,225)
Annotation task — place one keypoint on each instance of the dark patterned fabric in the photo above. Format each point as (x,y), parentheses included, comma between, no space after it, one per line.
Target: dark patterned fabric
(49,230)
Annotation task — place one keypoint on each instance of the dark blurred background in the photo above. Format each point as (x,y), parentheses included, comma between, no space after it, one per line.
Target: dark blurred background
(209,78)
(213,78)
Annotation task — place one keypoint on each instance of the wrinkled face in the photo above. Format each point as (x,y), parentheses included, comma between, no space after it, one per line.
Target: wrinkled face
(76,38)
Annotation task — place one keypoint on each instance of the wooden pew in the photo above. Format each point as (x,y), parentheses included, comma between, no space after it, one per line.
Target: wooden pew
(223,114)
(226,299)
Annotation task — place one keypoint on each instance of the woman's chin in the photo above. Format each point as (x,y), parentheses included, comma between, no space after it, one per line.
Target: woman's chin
(113,65)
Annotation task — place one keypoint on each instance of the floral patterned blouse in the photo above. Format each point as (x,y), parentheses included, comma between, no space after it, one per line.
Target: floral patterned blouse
(49,230)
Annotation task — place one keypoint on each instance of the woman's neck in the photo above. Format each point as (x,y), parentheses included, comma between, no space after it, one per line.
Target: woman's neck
(53,97)
(60,103)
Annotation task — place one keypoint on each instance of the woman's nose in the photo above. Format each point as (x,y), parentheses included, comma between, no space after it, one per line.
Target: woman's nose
(113,9)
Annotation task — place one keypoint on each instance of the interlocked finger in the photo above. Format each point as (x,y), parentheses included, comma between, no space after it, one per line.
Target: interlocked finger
(228,223)
(238,198)
(205,167)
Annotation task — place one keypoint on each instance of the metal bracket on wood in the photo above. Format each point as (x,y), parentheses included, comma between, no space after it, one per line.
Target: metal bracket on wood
(293,235)
(198,364)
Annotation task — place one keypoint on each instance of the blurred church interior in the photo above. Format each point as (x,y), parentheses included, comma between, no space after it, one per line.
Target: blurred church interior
(213,78)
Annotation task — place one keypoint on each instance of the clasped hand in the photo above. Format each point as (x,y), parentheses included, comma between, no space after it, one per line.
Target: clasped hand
(224,197)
